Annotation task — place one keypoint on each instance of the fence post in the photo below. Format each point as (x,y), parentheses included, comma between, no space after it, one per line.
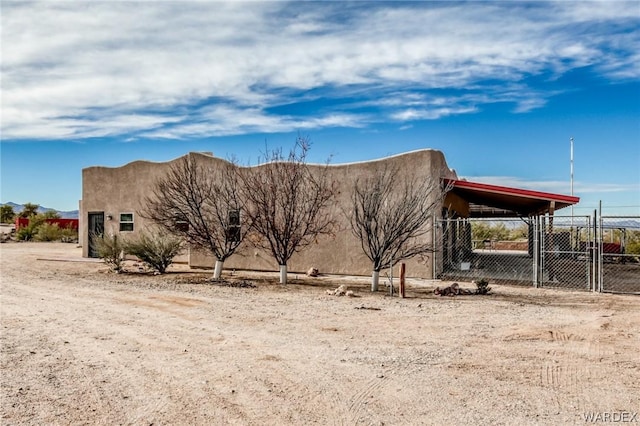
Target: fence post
(536,250)
(436,244)
(600,257)
(594,259)
(551,263)
(391,278)
(402,272)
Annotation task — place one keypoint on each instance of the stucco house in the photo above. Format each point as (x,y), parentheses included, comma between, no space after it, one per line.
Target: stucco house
(112,200)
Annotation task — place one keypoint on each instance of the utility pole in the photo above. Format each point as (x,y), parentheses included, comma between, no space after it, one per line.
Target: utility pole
(571,156)
(571,140)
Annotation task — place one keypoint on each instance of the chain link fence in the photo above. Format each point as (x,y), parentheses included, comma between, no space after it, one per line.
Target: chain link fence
(499,250)
(565,258)
(578,252)
(618,245)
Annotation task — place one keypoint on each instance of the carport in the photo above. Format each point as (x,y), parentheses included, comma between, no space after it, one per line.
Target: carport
(481,200)
(467,203)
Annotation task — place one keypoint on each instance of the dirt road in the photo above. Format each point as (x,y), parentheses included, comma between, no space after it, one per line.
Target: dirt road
(81,345)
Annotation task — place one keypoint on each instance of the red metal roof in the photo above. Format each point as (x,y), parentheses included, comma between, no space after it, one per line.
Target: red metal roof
(487,200)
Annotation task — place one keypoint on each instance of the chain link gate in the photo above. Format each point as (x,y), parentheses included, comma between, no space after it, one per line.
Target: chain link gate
(522,251)
(565,256)
(618,245)
(579,252)
(499,250)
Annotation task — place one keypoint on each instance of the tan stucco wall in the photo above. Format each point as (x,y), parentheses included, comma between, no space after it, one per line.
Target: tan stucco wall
(123,190)
(116,190)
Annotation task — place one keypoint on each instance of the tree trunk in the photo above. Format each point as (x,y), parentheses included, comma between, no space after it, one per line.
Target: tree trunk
(375,278)
(217,272)
(283,274)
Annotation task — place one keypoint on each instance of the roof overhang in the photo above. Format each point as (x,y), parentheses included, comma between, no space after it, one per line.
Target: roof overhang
(486,200)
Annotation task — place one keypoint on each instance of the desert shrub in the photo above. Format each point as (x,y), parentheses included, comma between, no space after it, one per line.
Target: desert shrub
(487,231)
(50,214)
(25,233)
(482,286)
(633,242)
(156,250)
(519,233)
(29,210)
(48,232)
(68,235)
(7,215)
(110,248)
(633,248)
(28,233)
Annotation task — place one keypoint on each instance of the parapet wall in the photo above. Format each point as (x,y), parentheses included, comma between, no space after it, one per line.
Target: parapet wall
(124,189)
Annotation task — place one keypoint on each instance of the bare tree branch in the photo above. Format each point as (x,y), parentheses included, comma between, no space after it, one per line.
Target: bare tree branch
(287,202)
(196,202)
(392,215)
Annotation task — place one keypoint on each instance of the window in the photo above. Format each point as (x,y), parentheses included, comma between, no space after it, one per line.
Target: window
(126,222)
(233,227)
(234,217)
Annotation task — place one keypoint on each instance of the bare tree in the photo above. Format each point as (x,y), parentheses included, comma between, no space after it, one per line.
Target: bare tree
(287,202)
(201,204)
(391,217)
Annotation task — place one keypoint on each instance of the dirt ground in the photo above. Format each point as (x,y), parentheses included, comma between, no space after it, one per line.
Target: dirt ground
(81,345)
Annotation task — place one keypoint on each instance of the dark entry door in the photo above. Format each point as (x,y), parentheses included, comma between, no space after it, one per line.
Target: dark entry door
(96,229)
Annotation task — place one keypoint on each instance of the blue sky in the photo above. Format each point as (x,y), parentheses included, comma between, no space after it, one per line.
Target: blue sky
(499,87)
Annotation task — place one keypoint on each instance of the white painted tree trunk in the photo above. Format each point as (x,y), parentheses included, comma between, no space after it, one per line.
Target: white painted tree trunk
(217,272)
(375,278)
(283,274)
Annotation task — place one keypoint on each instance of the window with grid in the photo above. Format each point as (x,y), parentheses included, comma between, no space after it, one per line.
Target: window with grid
(233,227)
(126,222)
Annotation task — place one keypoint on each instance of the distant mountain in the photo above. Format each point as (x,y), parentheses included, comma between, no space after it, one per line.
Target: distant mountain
(71,214)
(620,223)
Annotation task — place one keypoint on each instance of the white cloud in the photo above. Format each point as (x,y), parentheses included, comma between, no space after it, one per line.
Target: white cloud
(225,120)
(63,60)
(431,113)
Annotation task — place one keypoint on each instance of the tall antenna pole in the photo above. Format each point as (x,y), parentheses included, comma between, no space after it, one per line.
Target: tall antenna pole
(571,140)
